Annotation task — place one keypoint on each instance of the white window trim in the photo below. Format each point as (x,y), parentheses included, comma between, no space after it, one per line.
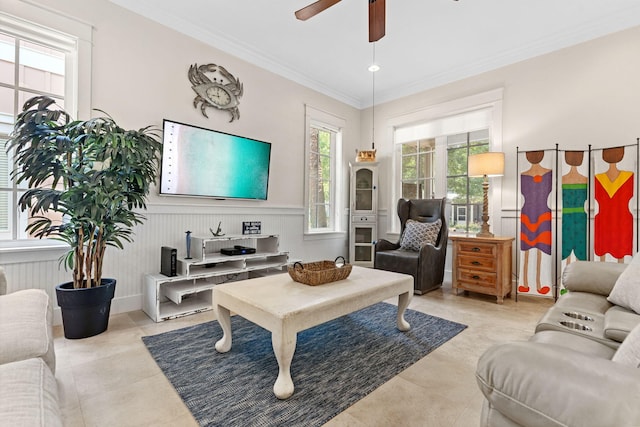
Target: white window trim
(32,250)
(35,22)
(490,100)
(316,117)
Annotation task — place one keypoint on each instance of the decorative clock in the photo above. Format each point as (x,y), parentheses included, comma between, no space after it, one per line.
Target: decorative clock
(223,92)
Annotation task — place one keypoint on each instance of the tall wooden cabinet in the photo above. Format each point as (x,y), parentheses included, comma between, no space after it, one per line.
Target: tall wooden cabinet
(363,212)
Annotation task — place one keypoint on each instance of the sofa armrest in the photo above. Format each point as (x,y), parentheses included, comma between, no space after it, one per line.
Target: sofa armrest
(537,384)
(431,254)
(3,282)
(591,276)
(385,245)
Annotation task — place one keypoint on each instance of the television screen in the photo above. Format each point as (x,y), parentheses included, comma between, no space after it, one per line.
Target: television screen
(204,162)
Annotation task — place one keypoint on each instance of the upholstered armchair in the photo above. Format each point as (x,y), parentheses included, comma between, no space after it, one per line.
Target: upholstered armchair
(422,247)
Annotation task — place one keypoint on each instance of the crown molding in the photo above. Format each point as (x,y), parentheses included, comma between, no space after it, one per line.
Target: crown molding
(570,36)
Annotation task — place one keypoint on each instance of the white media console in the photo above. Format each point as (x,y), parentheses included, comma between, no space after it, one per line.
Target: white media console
(191,291)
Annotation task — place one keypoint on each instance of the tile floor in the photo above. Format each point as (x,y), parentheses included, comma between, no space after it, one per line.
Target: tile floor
(111,380)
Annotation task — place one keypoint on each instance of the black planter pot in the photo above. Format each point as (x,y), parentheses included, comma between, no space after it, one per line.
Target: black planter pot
(85,311)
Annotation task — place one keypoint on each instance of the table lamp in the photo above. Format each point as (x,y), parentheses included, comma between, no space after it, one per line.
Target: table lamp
(485,165)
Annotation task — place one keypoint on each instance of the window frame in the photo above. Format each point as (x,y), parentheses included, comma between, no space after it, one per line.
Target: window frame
(44,27)
(468,207)
(432,119)
(315,118)
(421,180)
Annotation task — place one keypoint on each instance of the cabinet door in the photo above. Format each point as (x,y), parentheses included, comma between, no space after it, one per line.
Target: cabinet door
(364,187)
(363,238)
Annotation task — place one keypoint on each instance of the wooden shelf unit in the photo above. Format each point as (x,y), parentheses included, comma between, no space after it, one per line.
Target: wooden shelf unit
(191,291)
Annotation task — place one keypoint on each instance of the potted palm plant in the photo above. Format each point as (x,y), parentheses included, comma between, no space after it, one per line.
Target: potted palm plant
(86,182)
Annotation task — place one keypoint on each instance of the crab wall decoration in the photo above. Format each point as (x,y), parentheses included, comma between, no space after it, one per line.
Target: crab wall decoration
(223,92)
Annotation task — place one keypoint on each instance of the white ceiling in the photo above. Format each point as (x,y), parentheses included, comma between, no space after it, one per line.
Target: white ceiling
(428,42)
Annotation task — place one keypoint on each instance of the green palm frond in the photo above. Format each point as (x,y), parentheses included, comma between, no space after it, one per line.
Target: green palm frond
(93,172)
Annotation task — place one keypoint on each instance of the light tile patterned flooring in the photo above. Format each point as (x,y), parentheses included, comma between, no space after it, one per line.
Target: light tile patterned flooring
(111,380)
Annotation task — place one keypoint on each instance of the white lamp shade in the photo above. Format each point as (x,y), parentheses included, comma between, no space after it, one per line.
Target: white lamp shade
(490,164)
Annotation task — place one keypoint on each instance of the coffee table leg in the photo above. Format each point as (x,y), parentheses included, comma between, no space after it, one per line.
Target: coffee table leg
(403,303)
(224,318)
(284,345)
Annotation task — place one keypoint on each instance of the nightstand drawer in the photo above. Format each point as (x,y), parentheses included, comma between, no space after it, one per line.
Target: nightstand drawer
(476,262)
(477,249)
(477,278)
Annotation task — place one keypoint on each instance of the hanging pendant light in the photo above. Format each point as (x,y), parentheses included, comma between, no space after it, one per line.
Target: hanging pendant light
(370,155)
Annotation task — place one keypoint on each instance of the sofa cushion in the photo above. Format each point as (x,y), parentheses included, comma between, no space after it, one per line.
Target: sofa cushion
(398,260)
(618,322)
(584,302)
(29,395)
(574,342)
(492,417)
(536,384)
(417,234)
(592,277)
(629,351)
(626,291)
(26,319)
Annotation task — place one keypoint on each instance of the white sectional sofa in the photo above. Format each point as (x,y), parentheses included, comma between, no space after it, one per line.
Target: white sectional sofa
(582,366)
(28,388)
(587,309)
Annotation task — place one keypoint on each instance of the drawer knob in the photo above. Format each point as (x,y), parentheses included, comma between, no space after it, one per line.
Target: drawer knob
(476,249)
(476,263)
(475,277)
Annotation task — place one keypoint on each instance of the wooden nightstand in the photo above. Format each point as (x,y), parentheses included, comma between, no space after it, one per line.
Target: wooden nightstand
(482,264)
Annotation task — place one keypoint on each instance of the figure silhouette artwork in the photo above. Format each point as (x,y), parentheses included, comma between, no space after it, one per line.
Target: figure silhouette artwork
(535,219)
(613,224)
(574,216)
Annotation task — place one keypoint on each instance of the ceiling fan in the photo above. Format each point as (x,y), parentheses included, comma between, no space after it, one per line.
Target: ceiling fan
(376,15)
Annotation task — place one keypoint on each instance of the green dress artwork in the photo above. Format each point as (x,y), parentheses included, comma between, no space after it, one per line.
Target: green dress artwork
(575,190)
(574,221)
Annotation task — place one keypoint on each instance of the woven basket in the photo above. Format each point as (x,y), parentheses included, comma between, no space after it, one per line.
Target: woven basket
(319,272)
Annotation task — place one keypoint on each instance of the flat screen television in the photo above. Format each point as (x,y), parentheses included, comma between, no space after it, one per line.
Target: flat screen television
(207,163)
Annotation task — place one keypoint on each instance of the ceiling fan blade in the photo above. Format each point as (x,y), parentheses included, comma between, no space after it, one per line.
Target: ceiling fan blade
(314,8)
(376,19)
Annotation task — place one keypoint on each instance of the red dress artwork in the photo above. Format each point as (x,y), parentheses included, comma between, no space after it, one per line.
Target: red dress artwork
(613,223)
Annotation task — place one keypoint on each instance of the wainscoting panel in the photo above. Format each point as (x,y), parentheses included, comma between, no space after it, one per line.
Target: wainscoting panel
(39,274)
(166,225)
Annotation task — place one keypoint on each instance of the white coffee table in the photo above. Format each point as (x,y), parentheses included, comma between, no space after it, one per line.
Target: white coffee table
(285,307)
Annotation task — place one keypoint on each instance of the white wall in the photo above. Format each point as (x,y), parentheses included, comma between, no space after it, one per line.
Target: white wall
(139,76)
(582,95)
(586,94)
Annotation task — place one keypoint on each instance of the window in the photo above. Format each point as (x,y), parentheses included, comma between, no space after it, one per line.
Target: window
(33,61)
(321,167)
(431,151)
(461,214)
(464,193)
(419,175)
(417,171)
(323,148)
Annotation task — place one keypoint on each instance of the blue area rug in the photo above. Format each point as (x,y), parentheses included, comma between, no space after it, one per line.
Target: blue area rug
(335,365)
